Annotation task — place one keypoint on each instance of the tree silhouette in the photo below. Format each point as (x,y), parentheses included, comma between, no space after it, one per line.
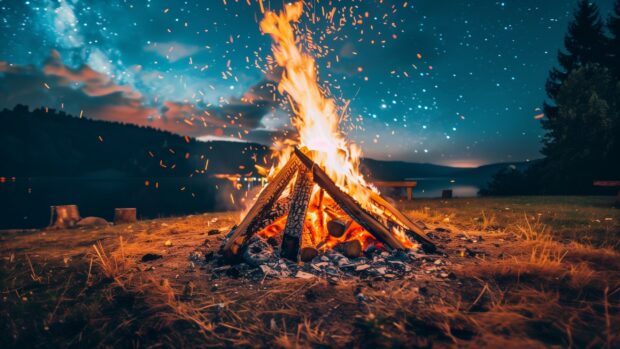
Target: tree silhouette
(613,26)
(585,43)
(582,116)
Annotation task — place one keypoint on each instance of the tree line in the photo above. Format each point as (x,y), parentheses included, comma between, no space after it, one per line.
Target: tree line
(581,115)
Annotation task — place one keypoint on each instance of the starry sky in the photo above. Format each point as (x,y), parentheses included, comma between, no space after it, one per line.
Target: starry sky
(448,82)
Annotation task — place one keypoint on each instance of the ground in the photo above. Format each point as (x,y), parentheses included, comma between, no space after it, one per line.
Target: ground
(524,272)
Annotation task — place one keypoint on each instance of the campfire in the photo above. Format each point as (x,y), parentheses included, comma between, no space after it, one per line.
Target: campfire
(316,199)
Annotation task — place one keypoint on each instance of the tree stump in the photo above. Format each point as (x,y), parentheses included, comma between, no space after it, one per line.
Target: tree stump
(64,216)
(124,215)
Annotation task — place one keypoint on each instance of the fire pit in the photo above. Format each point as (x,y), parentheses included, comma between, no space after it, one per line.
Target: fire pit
(317,200)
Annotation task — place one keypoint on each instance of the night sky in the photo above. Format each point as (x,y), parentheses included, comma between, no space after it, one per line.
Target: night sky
(448,82)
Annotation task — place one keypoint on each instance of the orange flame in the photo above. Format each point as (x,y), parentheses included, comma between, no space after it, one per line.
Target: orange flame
(317,122)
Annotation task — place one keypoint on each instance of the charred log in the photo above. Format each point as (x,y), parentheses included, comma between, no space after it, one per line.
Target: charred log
(258,251)
(293,231)
(414,230)
(265,201)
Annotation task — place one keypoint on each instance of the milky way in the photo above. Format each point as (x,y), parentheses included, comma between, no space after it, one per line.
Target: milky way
(453,82)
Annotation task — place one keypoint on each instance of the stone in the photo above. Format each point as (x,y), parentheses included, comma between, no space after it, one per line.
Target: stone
(151,257)
(303,275)
(381,270)
(267,270)
(362,267)
(92,222)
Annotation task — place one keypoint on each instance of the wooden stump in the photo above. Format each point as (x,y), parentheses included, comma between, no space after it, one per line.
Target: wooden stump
(124,215)
(64,216)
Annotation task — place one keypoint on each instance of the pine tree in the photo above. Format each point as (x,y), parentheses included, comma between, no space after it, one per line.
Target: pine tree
(585,43)
(613,26)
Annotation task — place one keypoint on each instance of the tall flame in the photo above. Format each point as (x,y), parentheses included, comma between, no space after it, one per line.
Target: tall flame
(316,120)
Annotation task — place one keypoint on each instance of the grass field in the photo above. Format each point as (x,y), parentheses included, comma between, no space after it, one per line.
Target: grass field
(527,272)
(590,219)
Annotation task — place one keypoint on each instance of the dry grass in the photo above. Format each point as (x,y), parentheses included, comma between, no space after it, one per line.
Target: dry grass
(529,288)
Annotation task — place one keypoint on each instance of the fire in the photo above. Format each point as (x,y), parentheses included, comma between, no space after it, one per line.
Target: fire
(316,118)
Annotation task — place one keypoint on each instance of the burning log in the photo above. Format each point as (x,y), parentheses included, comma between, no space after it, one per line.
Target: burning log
(64,216)
(293,231)
(124,215)
(338,226)
(349,205)
(263,203)
(307,251)
(267,217)
(416,231)
(351,248)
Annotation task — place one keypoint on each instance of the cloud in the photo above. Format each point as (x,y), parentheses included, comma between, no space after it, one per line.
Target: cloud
(172,50)
(65,24)
(95,94)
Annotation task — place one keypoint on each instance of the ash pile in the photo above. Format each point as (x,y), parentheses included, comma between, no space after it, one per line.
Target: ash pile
(261,259)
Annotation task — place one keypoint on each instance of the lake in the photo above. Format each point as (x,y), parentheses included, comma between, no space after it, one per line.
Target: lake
(25,202)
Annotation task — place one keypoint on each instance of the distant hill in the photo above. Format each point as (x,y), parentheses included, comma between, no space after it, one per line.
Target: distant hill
(399,170)
(51,143)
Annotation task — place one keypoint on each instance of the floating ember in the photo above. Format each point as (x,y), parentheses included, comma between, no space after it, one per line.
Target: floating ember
(317,199)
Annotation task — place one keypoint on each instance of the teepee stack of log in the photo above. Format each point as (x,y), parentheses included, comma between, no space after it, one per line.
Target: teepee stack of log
(296,244)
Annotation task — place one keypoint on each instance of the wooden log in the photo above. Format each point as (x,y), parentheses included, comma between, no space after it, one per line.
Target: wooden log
(338,226)
(416,231)
(264,201)
(268,217)
(64,216)
(320,209)
(124,215)
(293,231)
(349,205)
(307,250)
(351,248)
